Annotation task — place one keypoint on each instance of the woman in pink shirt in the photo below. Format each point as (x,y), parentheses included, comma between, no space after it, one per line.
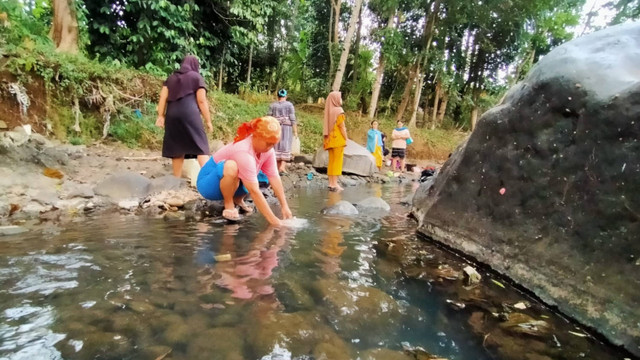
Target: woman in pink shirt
(232,172)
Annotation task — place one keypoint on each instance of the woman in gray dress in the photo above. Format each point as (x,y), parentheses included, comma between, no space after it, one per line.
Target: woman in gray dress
(182,99)
(285,113)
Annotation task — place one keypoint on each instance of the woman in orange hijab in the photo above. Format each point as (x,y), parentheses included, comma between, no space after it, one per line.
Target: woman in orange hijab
(335,137)
(232,172)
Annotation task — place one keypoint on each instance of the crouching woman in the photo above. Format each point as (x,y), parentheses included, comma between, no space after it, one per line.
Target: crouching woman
(232,172)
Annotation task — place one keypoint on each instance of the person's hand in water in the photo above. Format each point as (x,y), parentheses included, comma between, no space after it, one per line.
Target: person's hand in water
(286,213)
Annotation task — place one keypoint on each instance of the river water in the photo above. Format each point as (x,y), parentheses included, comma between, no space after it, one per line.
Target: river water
(127,287)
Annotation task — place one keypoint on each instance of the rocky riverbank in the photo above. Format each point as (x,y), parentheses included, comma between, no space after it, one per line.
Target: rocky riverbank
(45,181)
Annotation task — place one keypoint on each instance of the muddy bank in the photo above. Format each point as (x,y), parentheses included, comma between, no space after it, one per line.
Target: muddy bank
(44,180)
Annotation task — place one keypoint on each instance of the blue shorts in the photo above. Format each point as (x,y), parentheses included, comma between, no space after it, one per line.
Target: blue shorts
(208,183)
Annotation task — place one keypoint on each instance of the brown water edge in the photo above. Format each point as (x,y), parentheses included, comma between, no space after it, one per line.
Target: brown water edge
(511,322)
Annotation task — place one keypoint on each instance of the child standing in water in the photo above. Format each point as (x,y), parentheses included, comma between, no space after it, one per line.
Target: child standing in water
(232,172)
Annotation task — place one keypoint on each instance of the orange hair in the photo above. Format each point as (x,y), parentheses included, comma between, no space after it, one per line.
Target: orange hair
(266,128)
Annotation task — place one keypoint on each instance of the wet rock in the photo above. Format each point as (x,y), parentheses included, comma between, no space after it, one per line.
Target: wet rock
(354,309)
(348,182)
(177,333)
(529,212)
(357,160)
(80,191)
(5,209)
(293,296)
(223,343)
(33,209)
(71,204)
(101,345)
(471,276)
(155,352)
(305,159)
(477,323)
(341,208)
(523,324)
(384,354)
(373,204)
(299,333)
(141,307)
(175,202)
(45,197)
(128,205)
(12,230)
(166,183)
(124,185)
(327,350)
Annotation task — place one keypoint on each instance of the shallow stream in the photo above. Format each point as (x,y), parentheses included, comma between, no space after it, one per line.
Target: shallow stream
(127,287)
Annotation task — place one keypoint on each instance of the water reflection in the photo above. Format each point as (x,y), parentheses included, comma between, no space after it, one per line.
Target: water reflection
(248,274)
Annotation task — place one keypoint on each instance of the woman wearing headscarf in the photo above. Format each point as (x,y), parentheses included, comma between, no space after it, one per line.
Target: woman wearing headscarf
(335,137)
(285,113)
(232,172)
(374,143)
(182,99)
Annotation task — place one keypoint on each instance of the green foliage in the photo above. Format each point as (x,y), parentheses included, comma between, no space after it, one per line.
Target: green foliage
(625,10)
(135,131)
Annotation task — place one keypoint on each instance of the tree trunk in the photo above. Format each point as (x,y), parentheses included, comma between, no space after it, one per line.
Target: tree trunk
(250,60)
(474,111)
(221,69)
(442,109)
(375,92)
(436,102)
(336,24)
(417,95)
(407,89)
(428,37)
(337,82)
(64,29)
(356,54)
(330,43)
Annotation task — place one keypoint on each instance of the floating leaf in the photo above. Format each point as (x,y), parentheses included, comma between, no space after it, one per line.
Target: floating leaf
(498,283)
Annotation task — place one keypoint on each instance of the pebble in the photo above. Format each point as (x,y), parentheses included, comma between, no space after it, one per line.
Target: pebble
(128,204)
(175,202)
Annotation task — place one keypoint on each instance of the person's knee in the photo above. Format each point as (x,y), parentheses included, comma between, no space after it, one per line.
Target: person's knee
(230,168)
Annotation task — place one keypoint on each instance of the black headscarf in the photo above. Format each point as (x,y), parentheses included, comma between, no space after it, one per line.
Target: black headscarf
(187,80)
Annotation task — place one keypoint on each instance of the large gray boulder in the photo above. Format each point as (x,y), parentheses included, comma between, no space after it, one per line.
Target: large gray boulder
(547,188)
(357,160)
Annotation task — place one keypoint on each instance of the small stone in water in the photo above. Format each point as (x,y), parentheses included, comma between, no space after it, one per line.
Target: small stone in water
(520,306)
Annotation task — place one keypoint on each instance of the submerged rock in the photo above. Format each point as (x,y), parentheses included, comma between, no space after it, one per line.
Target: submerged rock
(353,309)
(341,208)
(373,204)
(300,333)
(547,184)
(384,354)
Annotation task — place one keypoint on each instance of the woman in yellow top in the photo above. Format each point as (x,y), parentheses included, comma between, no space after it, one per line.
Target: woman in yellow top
(335,137)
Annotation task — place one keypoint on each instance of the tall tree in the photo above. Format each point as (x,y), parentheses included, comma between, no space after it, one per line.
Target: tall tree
(337,82)
(386,42)
(64,29)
